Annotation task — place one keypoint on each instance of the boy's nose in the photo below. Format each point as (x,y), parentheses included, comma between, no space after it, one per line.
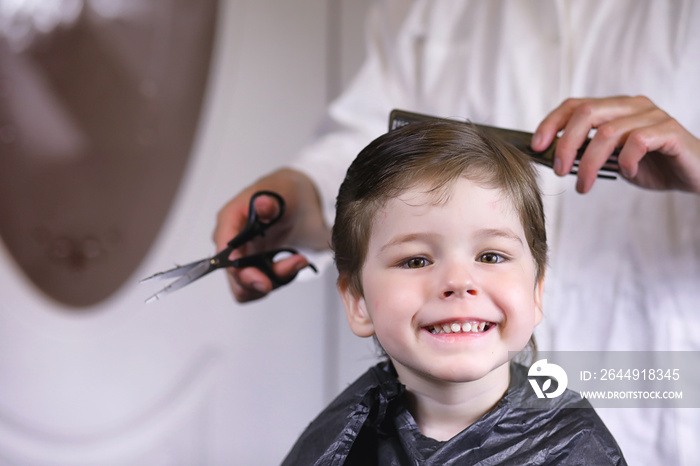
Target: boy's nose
(459,291)
(458,283)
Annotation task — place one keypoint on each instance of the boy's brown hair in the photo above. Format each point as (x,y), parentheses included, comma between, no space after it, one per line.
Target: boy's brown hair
(431,155)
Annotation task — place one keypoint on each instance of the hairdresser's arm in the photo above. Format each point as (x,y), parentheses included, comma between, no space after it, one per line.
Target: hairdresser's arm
(302,225)
(657,152)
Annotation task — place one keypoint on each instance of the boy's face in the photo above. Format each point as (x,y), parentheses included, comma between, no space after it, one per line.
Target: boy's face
(449,289)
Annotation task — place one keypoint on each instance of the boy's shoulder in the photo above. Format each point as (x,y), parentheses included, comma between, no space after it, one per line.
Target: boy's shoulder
(329,437)
(565,429)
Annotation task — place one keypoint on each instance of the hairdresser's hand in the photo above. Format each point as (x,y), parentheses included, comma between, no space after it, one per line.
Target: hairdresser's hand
(657,152)
(301,225)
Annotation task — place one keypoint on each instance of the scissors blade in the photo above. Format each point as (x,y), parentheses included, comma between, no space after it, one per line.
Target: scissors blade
(199,270)
(175,272)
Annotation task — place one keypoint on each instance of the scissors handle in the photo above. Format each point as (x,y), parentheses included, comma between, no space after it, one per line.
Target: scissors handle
(264,262)
(254,225)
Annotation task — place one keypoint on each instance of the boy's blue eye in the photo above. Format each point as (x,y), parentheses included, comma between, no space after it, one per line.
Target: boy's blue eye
(491,258)
(416,262)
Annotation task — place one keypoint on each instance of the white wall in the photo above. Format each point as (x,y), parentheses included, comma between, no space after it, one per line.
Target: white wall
(196,378)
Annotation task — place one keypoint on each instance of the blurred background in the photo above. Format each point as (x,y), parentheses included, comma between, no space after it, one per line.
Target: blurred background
(124,126)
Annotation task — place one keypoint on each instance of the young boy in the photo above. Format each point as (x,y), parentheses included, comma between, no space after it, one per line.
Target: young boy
(440,246)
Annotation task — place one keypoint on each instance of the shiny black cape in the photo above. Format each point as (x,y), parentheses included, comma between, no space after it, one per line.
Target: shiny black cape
(368,424)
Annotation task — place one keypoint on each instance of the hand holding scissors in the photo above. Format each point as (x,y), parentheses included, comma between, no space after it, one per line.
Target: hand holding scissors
(263,261)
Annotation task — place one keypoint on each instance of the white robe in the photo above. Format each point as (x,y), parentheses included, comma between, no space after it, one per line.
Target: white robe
(624,271)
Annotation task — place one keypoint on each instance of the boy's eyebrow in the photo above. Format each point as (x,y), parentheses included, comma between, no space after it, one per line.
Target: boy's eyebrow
(506,233)
(407,238)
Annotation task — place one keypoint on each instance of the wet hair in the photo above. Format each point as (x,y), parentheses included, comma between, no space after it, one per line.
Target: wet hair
(432,156)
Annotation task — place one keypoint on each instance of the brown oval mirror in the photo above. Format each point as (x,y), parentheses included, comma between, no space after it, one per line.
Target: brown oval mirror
(97,119)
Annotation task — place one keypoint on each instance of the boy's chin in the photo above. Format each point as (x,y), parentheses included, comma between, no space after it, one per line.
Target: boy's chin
(459,372)
(476,373)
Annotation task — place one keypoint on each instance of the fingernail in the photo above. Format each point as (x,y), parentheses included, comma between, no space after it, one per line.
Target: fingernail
(258,286)
(299,267)
(580,186)
(536,139)
(625,173)
(557,166)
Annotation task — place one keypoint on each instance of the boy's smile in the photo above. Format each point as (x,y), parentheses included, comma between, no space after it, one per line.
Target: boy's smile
(450,287)
(473,326)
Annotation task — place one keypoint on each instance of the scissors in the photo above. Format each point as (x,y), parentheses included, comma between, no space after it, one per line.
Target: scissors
(263,261)
(519,139)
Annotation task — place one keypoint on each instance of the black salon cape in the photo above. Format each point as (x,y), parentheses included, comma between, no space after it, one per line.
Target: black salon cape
(368,424)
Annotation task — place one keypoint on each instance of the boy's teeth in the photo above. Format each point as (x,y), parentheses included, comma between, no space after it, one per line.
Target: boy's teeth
(457,327)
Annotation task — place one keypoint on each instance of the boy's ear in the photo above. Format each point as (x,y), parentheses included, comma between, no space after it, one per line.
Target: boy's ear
(539,292)
(356,311)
